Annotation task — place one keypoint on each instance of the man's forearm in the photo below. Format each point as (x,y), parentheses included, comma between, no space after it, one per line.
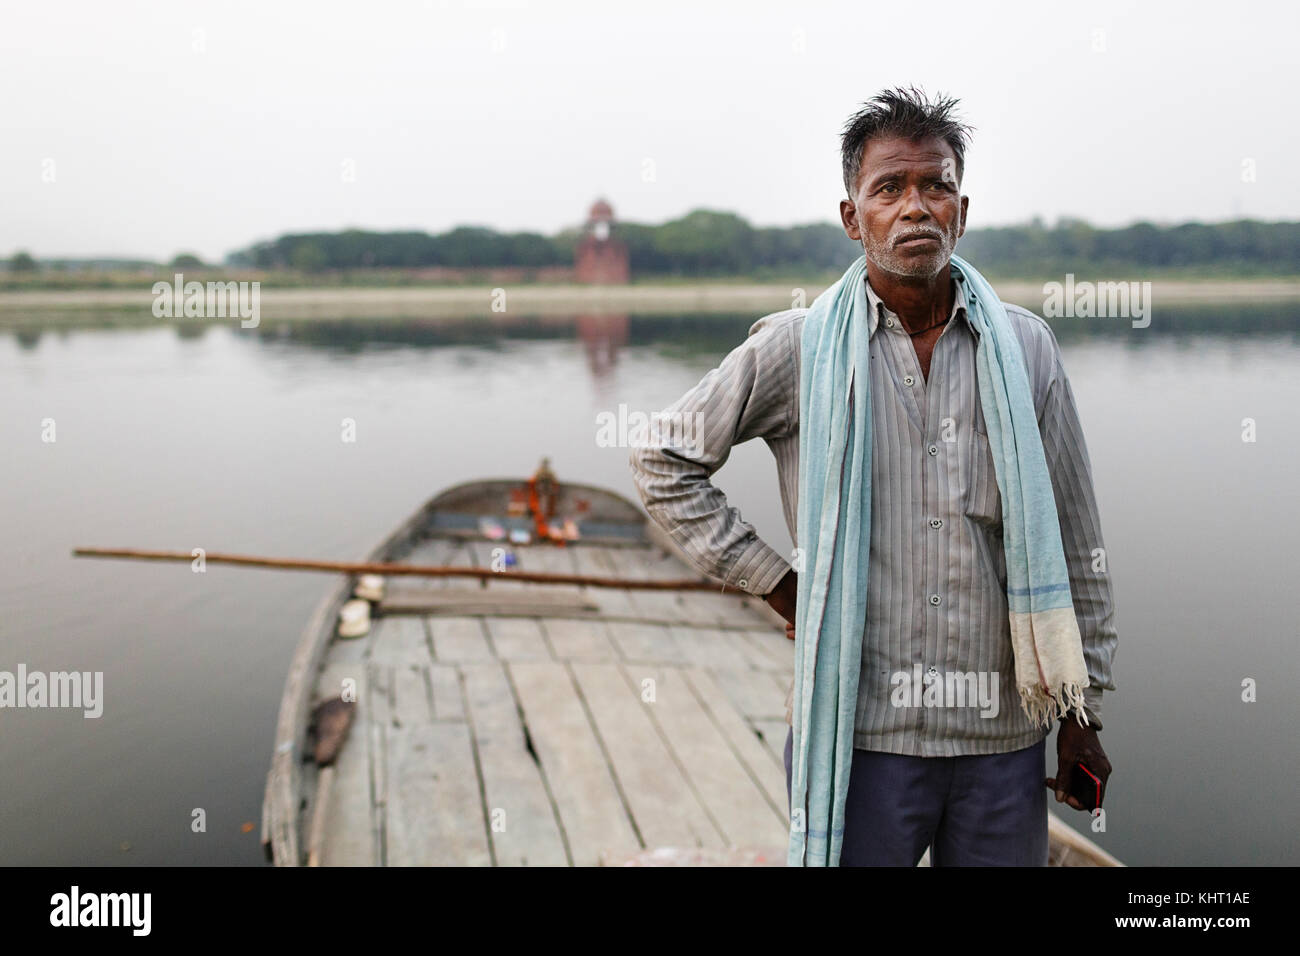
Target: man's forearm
(749,395)
(679,497)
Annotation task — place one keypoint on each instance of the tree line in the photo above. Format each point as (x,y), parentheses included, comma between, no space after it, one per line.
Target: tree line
(707,243)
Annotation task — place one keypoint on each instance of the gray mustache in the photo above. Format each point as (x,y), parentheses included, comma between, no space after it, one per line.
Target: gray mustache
(925,234)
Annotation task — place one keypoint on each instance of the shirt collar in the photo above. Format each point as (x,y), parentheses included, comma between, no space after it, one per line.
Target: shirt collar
(879,310)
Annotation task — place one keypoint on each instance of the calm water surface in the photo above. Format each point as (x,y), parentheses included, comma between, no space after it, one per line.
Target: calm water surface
(229,439)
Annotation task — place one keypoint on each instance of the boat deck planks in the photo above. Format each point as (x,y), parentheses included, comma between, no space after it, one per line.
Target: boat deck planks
(588,798)
(524,825)
(558,759)
(509,724)
(660,797)
(716,771)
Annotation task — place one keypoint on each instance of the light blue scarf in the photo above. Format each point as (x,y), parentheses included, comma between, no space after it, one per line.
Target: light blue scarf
(834,531)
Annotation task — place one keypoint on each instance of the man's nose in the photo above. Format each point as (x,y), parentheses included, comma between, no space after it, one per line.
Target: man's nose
(914,207)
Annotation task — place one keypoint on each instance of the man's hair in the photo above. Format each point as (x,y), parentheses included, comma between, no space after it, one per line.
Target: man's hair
(906,113)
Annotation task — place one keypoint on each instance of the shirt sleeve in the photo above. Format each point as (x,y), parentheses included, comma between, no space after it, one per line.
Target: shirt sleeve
(1085,553)
(753,393)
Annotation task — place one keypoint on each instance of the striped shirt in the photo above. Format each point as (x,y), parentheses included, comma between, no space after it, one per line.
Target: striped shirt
(936,586)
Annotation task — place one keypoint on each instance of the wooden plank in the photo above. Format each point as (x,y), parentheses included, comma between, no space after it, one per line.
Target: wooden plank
(753,693)
(766,769)
(347,837)
(732,607)
(739,807)
(783,680)
(580,640)
(592,561)
(744,652)
(664,804)
(591,808)
(651,643)
(773,734)
(517,599)
(729,609)
(411,695)
(379,680)
(432,805)
(320,809)
(404,595)
(434,814)
(710,647)
(349,649)
(518,639)
(1071,848)
(772,650)
(647,563)
(459,639)
(489,554)
(522,821)
(399,640)
(448,702)
(550,559)
(439,552)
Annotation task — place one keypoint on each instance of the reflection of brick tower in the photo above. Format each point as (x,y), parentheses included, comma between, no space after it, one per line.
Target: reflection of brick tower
(601,257)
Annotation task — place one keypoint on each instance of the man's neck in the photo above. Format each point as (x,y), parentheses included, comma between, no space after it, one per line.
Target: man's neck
(919,301)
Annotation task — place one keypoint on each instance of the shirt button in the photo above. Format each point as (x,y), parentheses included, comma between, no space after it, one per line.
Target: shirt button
(936,523)
(908,380)
(889,323)
(933,450)
(935,600)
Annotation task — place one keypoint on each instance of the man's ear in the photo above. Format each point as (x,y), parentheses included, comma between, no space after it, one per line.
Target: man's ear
(965,205)
(849,219)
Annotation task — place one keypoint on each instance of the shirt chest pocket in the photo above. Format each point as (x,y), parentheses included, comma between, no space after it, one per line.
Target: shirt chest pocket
(981,500)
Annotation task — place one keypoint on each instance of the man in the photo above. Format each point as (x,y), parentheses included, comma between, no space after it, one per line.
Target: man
(965,781)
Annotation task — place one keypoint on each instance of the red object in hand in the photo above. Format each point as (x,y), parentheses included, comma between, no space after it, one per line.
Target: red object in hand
(1087,788)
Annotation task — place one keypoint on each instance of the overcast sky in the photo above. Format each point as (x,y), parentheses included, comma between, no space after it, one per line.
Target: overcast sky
(151,128)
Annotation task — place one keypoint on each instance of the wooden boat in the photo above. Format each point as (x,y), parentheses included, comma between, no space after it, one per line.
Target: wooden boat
(503,723)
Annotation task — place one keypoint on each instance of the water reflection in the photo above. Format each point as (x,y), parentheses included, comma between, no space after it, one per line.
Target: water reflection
(603,335)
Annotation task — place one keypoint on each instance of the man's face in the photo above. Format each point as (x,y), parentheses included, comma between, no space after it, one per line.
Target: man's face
(908,211)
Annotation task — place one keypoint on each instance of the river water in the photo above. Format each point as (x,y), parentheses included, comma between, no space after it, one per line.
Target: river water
(230,439)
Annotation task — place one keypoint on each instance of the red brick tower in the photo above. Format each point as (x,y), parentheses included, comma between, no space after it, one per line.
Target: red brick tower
(601,257)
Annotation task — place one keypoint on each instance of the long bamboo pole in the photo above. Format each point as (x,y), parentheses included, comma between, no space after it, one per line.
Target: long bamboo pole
(403,570)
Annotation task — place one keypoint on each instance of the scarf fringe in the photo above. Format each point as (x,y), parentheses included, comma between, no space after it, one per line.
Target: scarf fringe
(1043,707)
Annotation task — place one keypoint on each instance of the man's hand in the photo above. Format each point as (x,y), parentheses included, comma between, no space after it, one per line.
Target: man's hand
(782,599)
(1075,745)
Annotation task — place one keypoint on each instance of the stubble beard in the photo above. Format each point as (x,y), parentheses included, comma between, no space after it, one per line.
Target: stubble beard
(885,257)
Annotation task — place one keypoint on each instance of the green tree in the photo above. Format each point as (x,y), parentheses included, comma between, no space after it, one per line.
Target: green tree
(309,257)
(22,262)
(187,260)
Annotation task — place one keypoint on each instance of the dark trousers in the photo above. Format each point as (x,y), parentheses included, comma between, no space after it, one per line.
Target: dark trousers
(985,810)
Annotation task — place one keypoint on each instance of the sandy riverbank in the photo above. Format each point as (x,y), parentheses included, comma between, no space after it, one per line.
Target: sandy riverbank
(119,306)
